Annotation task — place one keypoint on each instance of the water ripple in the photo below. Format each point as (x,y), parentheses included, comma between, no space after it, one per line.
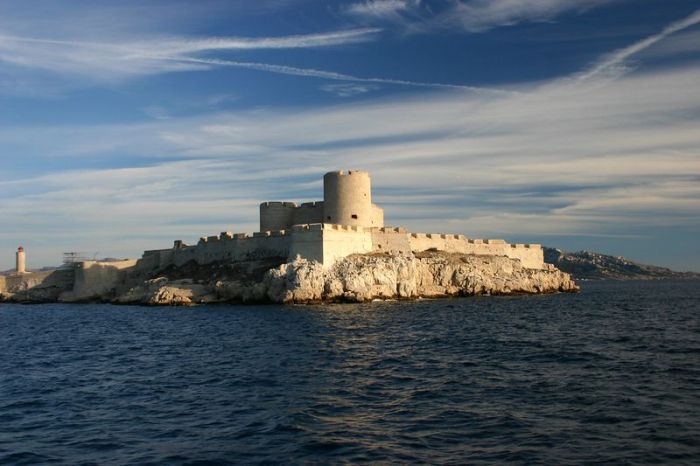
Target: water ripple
(606,376)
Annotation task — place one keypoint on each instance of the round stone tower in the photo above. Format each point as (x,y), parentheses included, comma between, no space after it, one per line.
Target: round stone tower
(21,261)
(347,198)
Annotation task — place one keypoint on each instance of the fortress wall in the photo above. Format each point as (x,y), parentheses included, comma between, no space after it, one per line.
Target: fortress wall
(307,242)
(95,278)
(377,216)
(390,240)
(341,240)
(326,243)
(38,285)
(165,256)
(225,247)
(265,244)
(277,215)
(441,242)
(530,256)
(231,247)
(149,260)
(307,213)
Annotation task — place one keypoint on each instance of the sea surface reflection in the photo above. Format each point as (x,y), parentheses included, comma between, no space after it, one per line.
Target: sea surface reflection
(607,375)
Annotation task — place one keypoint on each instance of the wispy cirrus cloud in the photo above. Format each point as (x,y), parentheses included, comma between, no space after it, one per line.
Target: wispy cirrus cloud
(114,61)
(616,62)
(330,75)
(120,59)
(482,15)
(380,8)
(471,16)
(349,89)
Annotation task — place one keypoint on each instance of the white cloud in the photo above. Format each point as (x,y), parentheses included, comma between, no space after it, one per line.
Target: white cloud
(330,75)
(467,15)
(380,8)
(123,59)
(349,90)
(615,62)
(114,61)
(482,15)
(684,43)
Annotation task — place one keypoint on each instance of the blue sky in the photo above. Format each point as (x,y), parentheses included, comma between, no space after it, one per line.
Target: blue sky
(574,123)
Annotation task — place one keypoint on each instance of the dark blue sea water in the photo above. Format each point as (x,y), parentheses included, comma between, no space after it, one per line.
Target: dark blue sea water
(611,375)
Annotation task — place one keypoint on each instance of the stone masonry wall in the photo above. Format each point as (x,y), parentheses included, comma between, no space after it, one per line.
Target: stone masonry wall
(326,243)
(530,255)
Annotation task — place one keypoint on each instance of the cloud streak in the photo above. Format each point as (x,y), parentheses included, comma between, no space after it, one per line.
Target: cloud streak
(615,63)
(124,59)
(380,8)
(482,15)
(331,75)
(114,61)
(472,16)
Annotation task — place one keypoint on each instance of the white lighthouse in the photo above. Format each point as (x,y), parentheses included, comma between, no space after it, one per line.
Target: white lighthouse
(21,261)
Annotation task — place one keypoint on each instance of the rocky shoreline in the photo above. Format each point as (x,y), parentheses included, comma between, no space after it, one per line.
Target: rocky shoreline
(356,278)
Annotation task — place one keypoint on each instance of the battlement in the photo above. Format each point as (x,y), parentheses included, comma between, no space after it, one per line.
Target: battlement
(400,230)
(310,205)
(292,205)
(525,246)
(335,226)
(268,233)
(350,172)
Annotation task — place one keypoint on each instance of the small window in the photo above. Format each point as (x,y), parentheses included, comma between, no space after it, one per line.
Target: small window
(328,218)
(354,216)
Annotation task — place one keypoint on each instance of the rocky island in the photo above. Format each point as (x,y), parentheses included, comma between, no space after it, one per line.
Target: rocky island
(335,250)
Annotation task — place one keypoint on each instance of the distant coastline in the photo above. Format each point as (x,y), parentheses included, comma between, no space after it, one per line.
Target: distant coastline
(587,265)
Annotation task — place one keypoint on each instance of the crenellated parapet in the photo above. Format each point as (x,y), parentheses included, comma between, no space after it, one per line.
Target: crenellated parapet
(530,255)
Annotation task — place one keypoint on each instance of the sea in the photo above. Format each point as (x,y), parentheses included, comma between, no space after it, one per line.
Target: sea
(610,375)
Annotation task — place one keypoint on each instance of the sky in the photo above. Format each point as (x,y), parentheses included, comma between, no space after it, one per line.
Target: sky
(125,125)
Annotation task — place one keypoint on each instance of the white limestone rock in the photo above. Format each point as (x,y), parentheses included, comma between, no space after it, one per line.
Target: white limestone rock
(361,278)
(161,292)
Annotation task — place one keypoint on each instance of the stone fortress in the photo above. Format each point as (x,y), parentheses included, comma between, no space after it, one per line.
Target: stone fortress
(346,222)
(334,249)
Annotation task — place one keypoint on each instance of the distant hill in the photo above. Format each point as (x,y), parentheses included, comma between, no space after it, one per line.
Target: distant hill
(594,266)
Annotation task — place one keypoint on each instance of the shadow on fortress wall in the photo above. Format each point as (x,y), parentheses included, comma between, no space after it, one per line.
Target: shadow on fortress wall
(36,286)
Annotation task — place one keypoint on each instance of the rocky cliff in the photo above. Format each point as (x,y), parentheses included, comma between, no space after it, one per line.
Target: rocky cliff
(359,278)
(356,278)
